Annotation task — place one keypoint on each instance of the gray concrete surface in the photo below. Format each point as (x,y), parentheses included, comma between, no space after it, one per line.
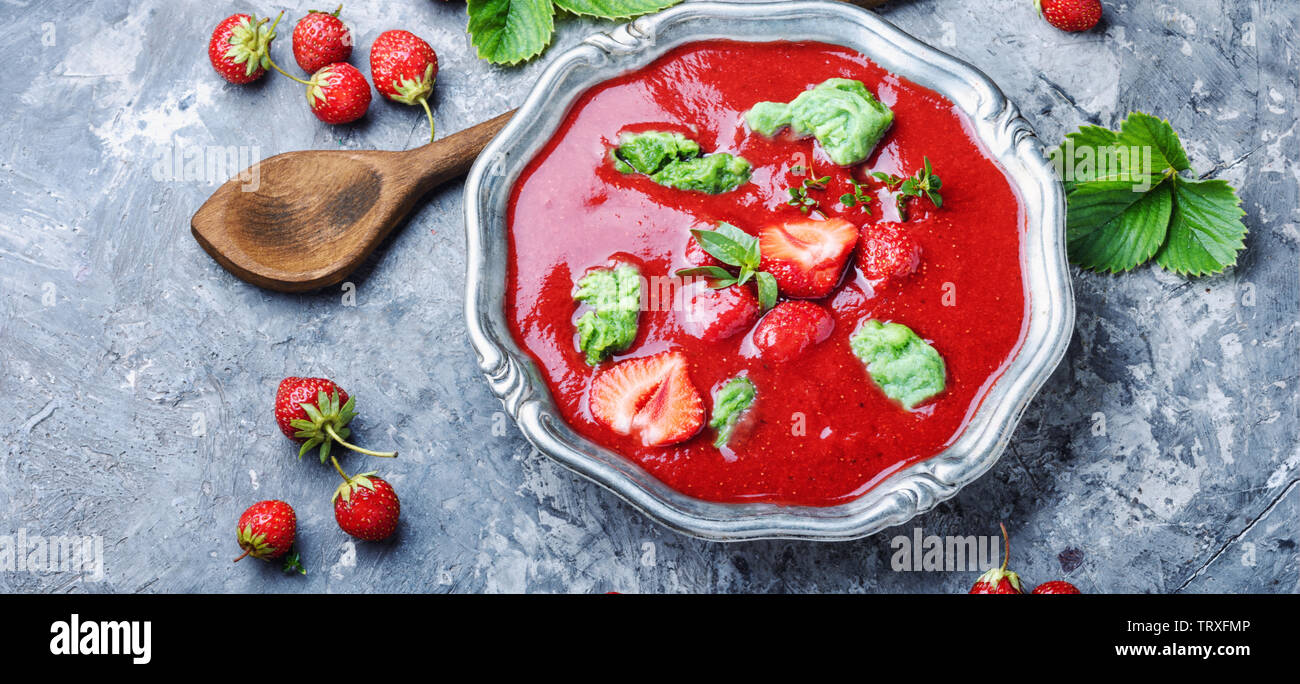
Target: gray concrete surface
(138,376)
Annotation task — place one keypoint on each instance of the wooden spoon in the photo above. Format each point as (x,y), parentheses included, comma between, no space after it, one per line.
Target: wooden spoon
(312,217)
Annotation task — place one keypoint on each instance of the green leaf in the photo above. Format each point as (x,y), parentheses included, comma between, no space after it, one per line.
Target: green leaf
(1143,130)
(766,289)
(1112,228)
(614,9)
(510,31)
(722,247)
(716,272)
(1206,231)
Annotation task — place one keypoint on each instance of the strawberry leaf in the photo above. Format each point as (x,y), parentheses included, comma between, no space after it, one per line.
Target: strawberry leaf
(1145,131)
(510,31)
(1205,232)
(1112,228)
(1129,200)
(613,9)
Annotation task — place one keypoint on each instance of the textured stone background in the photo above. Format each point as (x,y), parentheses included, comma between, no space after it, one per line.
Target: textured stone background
(138,375)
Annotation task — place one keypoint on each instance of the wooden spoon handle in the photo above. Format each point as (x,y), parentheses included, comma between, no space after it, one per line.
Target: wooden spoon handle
(448,158)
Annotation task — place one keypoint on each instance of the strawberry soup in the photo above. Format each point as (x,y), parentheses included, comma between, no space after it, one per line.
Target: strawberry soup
(739,268)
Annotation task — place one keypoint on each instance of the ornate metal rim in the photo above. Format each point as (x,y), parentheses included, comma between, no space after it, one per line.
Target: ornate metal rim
(516,380)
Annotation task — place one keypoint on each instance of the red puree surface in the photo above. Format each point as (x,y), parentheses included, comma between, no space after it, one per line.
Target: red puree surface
(571,211)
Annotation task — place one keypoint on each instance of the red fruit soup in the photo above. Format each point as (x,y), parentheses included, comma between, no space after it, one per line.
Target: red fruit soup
(820,432)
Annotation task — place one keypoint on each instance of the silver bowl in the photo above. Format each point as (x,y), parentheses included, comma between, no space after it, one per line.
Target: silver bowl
(516,380)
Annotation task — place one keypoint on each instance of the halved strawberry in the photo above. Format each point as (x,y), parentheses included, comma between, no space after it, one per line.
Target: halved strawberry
(806,256)
(789,329)
(650,397)
(717,314)
(886,250)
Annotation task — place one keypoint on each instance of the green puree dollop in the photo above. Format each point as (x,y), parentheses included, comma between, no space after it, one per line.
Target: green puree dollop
(841,113)
(675,161)
(901,364)
(729,403)
(614,297)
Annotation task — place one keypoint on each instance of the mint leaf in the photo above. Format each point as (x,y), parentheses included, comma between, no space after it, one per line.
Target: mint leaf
(766,283)
(1112,228)
(714,272)
(614,9)
(1206,231)
(723,247)
(510,31)
(1143,130)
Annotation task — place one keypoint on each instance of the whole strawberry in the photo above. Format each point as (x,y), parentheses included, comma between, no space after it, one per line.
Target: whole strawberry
(321,39)
(240,48)
(1070,15)
(366,507)
(266,530)
(1056,587)
(316,412)
(404,68)
(999,580)
(338,94)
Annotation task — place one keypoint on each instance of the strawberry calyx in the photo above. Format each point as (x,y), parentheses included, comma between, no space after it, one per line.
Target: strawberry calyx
(351,484)
(994,577)
(416,90)
(412,90)
(334,14)
(293,564)
(327,423)
(250,44)
(254,544)
(316,86)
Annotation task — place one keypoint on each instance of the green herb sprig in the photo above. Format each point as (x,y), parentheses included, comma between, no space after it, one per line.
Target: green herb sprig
(925,183)
(799,195)
(1147,203)
(738,249)
(857,198)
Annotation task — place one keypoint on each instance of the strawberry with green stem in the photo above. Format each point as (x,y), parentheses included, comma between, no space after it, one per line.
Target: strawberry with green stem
(320,39)
(999,580)
(925,183)
(337,93)
(365,506)
(266,530)
(404,68)
(316,412)
(240,48)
